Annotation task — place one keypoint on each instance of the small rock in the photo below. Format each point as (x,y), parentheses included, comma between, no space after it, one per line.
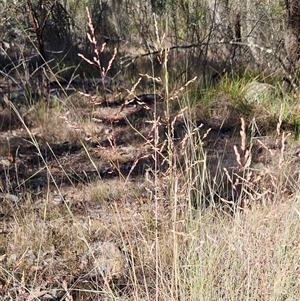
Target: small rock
(256,93)
(103,259)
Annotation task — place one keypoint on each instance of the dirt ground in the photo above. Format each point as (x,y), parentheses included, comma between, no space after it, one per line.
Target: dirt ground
(84,138)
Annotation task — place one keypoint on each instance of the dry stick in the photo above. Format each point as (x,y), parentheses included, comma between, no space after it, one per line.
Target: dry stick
(39,29)
(196,45)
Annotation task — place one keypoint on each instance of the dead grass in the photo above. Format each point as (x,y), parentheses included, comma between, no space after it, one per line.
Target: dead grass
(206,253)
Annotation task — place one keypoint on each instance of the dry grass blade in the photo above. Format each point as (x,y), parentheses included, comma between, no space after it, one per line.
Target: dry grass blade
(65,287)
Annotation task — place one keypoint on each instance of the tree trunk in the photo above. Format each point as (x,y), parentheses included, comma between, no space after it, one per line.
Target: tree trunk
(292,40)
(221,31)
(39,26)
